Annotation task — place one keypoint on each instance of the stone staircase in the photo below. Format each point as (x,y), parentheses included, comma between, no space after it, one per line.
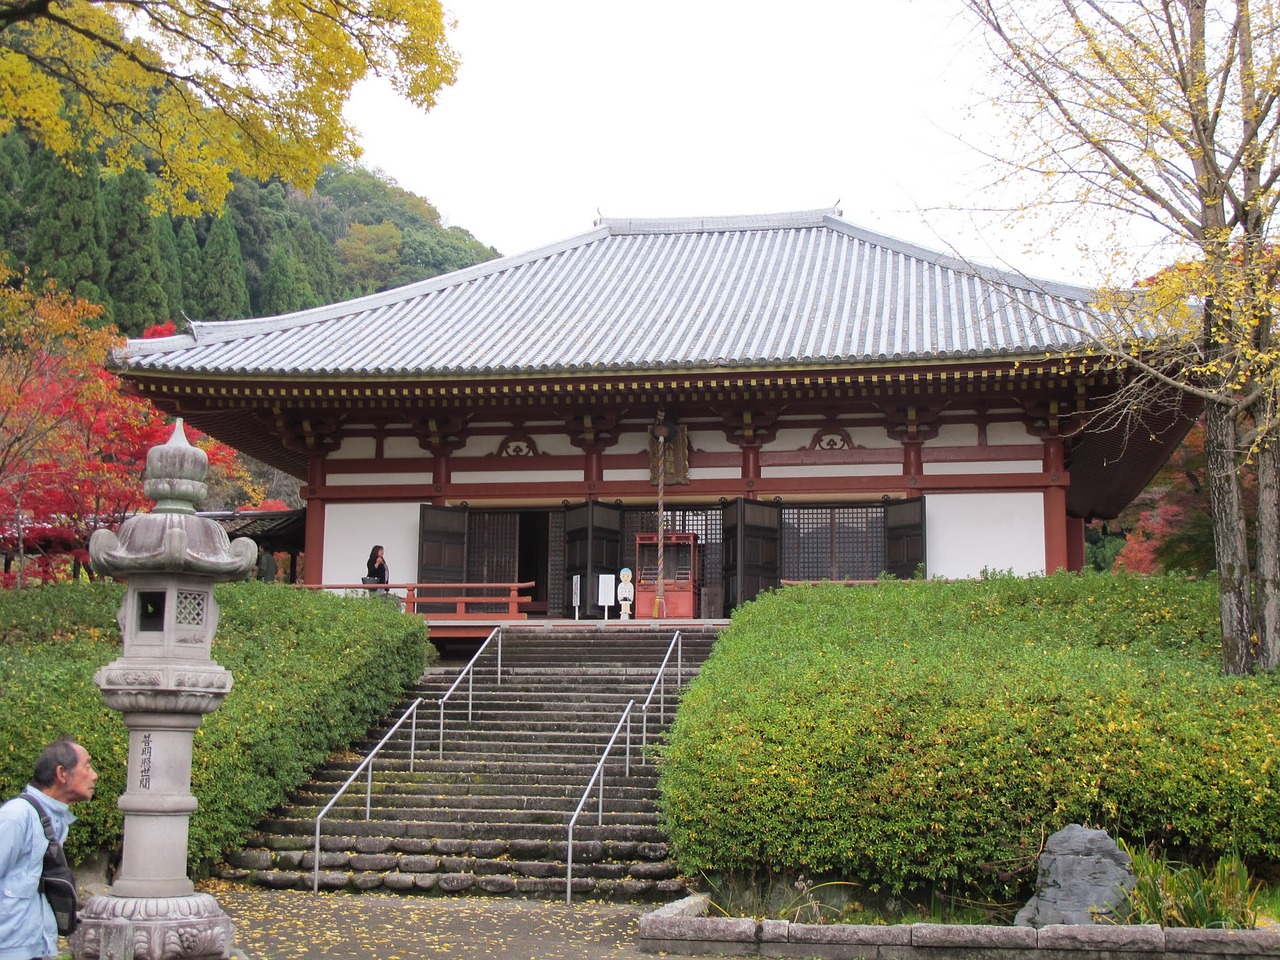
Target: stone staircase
(490,815)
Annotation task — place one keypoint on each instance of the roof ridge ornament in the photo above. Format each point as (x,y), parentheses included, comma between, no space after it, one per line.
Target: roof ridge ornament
(722,224)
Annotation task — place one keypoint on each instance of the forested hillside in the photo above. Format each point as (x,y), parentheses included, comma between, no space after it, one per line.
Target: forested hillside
(272,249)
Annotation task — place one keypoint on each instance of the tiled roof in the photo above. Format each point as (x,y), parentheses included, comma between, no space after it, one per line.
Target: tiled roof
(797,289)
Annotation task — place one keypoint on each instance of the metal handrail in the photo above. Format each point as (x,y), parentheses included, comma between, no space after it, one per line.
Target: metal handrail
(368,791)
(598,775)
(469,674)
(659,684)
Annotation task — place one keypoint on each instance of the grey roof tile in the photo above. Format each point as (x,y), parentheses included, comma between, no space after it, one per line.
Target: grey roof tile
(801,288)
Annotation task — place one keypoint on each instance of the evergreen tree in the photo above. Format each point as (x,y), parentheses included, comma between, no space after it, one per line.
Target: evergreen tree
(368,256)
(431,251)
(254,232)
(358,232)
(170,264)
(284,288)
(191,266)
(273,204)
(316,256)
(321,211)
(225,295)
(134,281)
(370,197)
(14,167)
(67,238)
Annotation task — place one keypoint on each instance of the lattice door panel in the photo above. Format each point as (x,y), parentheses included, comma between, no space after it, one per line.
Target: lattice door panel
(555,564)
(706,523)
(832,543)
(493,538)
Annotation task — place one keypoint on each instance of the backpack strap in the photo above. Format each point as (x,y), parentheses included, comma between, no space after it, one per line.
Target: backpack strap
(53,854)
(57,883)
(45,820)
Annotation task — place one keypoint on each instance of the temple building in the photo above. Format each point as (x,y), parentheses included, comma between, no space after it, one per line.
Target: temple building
(800,398)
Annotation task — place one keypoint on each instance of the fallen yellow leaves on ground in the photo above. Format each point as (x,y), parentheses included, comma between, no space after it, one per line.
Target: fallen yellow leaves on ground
(299,925)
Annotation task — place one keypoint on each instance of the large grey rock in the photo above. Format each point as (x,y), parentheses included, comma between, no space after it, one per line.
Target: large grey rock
(1084,876)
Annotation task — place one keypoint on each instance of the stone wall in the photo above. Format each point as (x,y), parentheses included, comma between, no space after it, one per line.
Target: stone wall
(681,928)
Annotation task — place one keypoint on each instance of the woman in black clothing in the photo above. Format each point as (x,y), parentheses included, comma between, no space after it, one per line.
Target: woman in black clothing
(377,566)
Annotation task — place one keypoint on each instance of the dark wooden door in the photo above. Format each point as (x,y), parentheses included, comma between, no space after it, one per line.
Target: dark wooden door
(751,531)
(442,544)
(492,546)
(904,537)
(593,545)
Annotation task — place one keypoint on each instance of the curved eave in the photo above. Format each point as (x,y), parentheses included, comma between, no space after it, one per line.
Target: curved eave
(833,366)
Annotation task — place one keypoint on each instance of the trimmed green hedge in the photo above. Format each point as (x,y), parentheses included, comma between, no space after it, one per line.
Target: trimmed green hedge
(921,734)
(312,672)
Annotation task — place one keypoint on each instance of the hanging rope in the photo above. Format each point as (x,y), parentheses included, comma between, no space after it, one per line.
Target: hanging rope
(659,597)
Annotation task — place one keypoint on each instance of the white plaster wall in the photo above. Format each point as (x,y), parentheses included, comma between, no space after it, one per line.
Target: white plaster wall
(954,468)
(479,447)
(351,530)
(793,438)
(353,448)
(955,435)
(516,476)
(711,441)
(377,479)
(713,473)
(873,438)
(399,448)
(554,444)
(834,470)
(966,532)
(626,475)
(1009,433)
(632,440)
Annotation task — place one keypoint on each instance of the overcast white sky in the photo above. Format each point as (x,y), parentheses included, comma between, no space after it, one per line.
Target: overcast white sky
(568,109)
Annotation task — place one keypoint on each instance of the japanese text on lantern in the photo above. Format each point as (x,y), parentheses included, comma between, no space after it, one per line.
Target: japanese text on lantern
(144,768)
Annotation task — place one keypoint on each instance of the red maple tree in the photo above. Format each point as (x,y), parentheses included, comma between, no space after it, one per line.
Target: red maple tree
(1169,527)
(73,445)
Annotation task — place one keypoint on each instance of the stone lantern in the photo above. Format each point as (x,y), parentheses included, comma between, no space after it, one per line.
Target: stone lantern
(164,684)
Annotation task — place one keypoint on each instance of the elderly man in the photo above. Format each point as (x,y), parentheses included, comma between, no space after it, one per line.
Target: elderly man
(63,775)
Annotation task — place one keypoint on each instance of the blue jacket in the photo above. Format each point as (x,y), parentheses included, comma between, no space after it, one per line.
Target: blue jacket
(27,927)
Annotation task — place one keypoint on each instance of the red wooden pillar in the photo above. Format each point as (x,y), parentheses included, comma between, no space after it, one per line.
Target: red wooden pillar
(1075,544)
(593,434)
(1056,550)
(314,537)
(751,469)
(441,476)
(912,460)
(750,429)
(593,467)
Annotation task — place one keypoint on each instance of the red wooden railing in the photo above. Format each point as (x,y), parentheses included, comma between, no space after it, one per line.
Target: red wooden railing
(450,601)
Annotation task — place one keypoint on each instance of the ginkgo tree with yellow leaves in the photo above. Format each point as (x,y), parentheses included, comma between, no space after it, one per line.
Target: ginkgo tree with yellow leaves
(1167,112)
(200,89)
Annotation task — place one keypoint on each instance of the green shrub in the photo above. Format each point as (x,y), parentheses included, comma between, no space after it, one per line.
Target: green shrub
(916,735)
(312,672)
(1268,904)
(1171,894)
(782,897)
(799,899)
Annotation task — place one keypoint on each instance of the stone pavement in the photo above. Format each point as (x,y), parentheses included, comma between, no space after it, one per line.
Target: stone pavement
(298,925)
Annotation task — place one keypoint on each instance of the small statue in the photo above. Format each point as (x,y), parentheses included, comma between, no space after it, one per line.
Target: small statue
(626,593)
